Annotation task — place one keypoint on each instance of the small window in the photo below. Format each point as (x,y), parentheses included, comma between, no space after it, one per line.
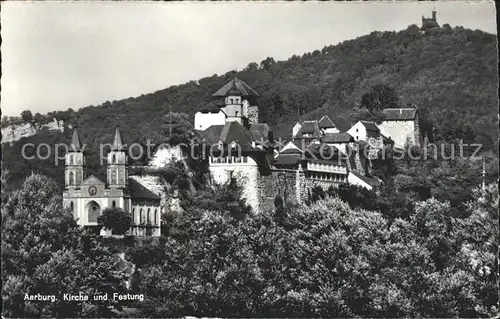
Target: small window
(236,113)
(356,130)
(113,159)
(140,216)
(71,206)
(71,178)
(156,218)
(133,215)
(149,216)
(114,204)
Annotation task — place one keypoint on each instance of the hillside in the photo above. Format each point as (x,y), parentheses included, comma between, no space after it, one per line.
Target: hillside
(450,75)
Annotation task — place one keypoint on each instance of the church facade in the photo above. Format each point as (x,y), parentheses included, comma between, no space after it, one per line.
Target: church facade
(88,196)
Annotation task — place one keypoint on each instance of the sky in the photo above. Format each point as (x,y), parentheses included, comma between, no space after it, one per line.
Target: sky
(60,55)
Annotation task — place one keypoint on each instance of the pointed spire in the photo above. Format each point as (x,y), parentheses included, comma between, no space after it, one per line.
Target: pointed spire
(75,145)
(117,143)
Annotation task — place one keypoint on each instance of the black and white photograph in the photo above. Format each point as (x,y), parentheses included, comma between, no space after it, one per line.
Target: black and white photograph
(251,159)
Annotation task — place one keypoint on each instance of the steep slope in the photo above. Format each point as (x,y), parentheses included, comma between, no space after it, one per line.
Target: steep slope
(450,74)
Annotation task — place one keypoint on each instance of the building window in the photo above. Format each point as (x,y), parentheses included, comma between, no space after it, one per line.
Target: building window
(155,222)
(356,130)
(114,204)
(149,216)
(71,160)
(71,206)
(140,216)
(113,177)
(113,159)
(71,178)
(245,159)
(133,215)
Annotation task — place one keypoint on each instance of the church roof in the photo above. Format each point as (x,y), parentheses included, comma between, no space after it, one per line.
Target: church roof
(400,114)
(117,142)
(139,191)
(236,87)
(75,145)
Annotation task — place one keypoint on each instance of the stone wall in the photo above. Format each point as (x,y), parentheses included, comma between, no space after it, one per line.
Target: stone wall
(253,114)
(247,176)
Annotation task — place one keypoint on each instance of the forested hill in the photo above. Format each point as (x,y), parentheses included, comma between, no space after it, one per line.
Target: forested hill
(450,74)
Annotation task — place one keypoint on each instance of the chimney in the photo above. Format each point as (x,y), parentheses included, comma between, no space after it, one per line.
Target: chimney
(434,15)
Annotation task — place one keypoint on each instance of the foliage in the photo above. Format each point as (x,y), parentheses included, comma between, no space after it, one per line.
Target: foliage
(45,252)
(115,219)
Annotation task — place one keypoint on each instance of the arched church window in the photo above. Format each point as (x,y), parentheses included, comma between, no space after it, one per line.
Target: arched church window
(71,206)
(114,204)
(155,222)
(149,216)
(71,178)
(140,216)
(113,159)
(78,177)
(133,215)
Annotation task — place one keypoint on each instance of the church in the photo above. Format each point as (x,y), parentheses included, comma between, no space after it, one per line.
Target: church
(88,196)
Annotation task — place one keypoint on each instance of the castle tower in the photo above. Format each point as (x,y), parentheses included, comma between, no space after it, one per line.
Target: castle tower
(117,172)
(74,163)
(239,102)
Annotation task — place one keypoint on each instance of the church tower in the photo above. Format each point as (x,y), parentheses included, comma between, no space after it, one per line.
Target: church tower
(117,173)
(74,163)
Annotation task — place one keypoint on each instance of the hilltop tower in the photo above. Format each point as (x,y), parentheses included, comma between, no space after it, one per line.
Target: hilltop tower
(430,23)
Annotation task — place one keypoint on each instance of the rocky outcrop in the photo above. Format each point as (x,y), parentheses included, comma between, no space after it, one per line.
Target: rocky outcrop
(14,133)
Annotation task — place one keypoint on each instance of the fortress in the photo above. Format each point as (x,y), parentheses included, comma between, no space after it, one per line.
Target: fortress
(325,152)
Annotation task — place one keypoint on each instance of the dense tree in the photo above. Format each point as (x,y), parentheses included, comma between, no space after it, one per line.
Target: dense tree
(27,116)
(45,252)
(115,219)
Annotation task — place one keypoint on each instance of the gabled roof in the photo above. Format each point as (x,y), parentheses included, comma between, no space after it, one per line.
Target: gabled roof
(400,114)
(325,122)
(338,138)
(211,107)
(228,133)
(372,181)
(75,145)
(370,126)
(92,180)
(342,124)
(236,87)
(287,159)
(309,127)
(139,191)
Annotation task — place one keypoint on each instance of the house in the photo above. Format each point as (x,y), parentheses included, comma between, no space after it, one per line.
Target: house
(401,125)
